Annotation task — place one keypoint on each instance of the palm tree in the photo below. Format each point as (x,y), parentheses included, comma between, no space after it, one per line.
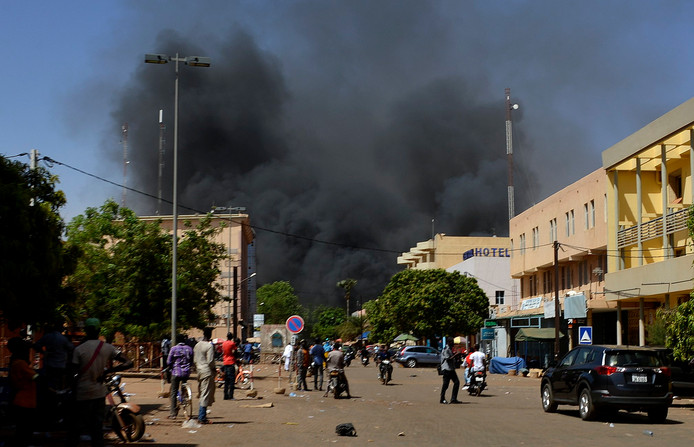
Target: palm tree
(347,284)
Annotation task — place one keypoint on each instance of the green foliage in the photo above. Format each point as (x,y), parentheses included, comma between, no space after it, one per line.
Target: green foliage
(327,320)
(679,324)
(34,260)
(657,332)
(351,328)
(124,275)
(428,303)
(278,301)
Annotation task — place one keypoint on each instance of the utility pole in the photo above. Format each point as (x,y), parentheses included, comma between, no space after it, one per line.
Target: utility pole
(557,308)
(236,284)
(124,141)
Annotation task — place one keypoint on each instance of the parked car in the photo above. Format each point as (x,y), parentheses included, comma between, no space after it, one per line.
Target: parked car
(607,378)
(411,356)
(681,372)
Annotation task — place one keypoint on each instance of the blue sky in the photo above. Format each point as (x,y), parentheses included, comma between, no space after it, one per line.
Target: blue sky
(346,85)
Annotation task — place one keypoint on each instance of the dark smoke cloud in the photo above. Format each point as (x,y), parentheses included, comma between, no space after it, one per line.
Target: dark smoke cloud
(350,122)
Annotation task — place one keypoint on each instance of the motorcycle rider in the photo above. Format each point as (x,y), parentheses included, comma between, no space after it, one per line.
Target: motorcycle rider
(364,355)
(336,362)
(382,355)
(477,360)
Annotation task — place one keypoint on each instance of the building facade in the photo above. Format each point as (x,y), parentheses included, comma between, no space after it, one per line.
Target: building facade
(558,249)
(649,194)
(236,235)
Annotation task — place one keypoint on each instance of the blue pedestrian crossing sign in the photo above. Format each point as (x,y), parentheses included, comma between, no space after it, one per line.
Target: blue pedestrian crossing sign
(585,335)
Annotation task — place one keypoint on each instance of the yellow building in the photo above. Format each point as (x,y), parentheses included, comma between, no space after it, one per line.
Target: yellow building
(236,236)
(650,189)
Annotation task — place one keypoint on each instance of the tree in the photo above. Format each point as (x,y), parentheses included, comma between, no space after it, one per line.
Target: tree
(347,284)
(428,303)
(327,321)
(679,322)
(351,328)
(34,260)
(124,275)
(278,301)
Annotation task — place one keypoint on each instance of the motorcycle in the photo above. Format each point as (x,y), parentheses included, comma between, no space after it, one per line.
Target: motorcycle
(385,371)
(349,356)
(478,382)
(365,360)
(125,417)
(336,383)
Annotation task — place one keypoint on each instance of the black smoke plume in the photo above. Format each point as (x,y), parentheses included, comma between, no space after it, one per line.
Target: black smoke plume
(322,154)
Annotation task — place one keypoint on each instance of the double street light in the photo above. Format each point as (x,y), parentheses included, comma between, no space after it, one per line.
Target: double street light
(193,61)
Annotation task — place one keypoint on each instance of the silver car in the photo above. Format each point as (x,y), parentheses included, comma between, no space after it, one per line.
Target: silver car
(411,356)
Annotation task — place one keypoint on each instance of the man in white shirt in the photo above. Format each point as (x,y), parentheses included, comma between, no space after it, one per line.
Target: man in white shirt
(478,359)
(287,355)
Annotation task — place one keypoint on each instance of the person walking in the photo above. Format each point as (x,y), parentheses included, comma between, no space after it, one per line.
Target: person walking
(449,374)
(247,352)
(91,360)
(180,361)
(287,355)
(318,355)
(203,355)
(303,361)
(229,366)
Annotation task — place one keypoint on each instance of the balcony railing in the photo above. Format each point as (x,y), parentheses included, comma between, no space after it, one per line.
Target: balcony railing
(653,229)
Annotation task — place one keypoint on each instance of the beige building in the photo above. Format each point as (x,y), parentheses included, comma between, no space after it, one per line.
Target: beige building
(444,251)
(650,190)
(236,235)
(575,217)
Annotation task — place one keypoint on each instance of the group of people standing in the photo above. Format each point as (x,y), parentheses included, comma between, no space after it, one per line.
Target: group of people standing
(81,369)
(181,360)
(317,358)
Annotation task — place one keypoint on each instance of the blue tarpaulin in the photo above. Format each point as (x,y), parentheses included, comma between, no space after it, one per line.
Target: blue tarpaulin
(501,365)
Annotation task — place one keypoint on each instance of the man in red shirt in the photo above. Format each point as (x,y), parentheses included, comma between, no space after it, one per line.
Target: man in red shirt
(229,366)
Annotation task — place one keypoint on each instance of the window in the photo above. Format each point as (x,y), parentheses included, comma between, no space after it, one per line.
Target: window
(675,187)
(536,237)
(567,229)
(585,215)
(499,297)
(553,230)
(573,225)
(522,243)
(592,213)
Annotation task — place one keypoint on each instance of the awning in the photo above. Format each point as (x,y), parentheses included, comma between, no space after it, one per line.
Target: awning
(536,334)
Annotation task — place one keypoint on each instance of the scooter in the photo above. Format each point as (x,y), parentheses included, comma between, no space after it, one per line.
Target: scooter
(125,417)
(385,371)
(478,382)
(365,360)
(336,383)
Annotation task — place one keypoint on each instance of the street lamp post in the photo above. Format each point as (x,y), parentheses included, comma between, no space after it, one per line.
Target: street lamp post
(195,61)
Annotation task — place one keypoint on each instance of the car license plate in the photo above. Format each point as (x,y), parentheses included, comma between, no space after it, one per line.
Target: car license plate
(639,378)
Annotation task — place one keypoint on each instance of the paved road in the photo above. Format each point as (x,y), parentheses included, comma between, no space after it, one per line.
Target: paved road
(407,412)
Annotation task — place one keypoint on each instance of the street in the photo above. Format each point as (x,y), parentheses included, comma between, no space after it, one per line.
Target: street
(406,412)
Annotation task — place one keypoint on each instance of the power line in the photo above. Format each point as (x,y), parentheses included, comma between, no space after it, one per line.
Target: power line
(255,227)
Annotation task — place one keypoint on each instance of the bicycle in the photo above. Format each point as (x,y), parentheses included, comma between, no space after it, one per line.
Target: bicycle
(184,400)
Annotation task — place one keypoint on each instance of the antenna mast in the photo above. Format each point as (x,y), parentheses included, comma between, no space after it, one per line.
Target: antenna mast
(124,141)
(509,153)
(162,128)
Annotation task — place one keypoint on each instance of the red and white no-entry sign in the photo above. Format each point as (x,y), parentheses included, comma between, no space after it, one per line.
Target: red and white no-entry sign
(295,324)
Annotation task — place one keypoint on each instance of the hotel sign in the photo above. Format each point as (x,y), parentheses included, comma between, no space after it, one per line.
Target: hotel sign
(487,252)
